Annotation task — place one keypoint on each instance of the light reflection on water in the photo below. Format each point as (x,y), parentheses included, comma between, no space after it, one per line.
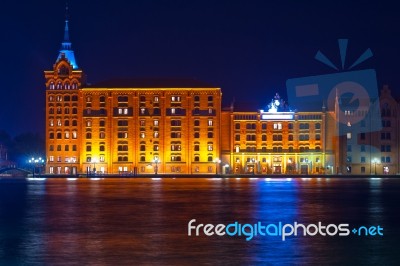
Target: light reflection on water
(144,221)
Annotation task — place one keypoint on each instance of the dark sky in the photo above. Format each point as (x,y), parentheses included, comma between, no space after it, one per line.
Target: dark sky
(248,48)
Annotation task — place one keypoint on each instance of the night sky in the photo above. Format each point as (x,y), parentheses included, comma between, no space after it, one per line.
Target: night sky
(248,48)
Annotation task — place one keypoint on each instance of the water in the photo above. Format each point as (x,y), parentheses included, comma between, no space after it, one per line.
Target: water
(145,221)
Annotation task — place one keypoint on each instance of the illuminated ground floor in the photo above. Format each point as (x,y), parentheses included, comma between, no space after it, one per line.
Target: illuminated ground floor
(278,163)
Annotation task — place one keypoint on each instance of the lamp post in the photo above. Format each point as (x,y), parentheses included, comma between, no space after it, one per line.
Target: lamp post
(156,161)
(71,161)
(290,166)
(374,161)
(34,161)
(216,161)
(254,165)
(94,167)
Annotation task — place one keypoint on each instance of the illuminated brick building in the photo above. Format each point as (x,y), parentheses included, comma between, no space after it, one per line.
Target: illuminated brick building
(276,142)
(128,126)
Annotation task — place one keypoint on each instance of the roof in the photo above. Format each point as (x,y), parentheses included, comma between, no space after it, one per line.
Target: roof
(151,83)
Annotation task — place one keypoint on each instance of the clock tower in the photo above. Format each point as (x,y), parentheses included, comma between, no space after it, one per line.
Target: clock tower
(62,110)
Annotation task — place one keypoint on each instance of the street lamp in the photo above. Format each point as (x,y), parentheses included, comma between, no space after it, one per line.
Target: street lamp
(375,161)
(72,160)
(216,161)
(94,167)
(254,164)
(34,161)
(290,165)
(156,161)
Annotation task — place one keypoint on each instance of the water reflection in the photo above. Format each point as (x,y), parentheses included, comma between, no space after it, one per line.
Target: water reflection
(144,221)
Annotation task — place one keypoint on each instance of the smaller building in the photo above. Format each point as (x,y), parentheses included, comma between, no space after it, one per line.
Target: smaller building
(277,141)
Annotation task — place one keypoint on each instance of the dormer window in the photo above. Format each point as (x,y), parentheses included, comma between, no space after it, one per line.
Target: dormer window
(63,71)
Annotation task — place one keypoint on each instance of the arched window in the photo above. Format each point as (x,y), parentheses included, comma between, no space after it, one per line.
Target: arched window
(67,86)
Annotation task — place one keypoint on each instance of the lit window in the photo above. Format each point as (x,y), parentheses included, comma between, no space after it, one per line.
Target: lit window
(74,134)
(101,158)
(155,123)
(59,122)
(210,122)
(173,111)
(59,159)
(51,122)
(67,134)
(88,123)
(125,111)
(156,99)
(142,135)
(51,170)
(51,159)
(209,147)
(102,135)
(155,134)
(277,126)
(175,99)
(142,123)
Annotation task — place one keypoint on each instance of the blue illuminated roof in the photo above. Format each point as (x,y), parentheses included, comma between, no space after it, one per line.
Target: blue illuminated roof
(69,54)
(66,48)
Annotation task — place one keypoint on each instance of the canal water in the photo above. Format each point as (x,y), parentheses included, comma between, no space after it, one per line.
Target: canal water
(145,221)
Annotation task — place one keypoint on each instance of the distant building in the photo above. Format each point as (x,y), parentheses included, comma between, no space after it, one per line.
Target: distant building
(4,160)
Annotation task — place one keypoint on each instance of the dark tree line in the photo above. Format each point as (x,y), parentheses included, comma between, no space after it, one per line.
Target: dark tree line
(23,146)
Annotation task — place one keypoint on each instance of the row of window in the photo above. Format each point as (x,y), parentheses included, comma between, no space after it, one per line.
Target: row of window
(61,98)
(253,137)
(59,159)
(384,159)
(59,147)
(277,126)
(253,148)
(277,159)
(67,135)
(67,111)
(155,99)
(124,158)
(58,122)
(65,86)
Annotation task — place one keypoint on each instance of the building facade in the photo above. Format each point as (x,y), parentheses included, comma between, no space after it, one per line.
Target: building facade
(172,126)
(132,126)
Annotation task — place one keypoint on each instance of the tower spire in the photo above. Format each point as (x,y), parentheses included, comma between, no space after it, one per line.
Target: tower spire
(66,30)
(66,47)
